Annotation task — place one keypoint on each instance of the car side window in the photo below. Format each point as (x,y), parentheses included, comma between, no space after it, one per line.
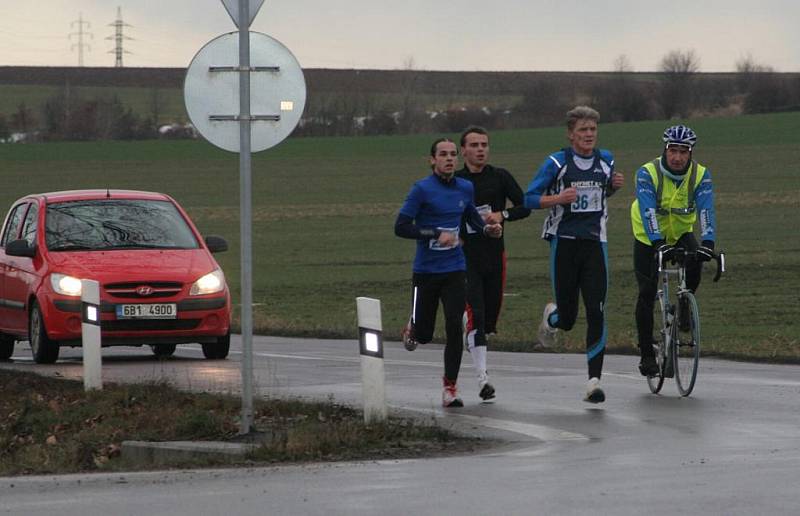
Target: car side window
(12,226)
(30,224)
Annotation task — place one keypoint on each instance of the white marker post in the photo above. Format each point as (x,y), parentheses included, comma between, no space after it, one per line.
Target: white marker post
(92,359)
(370,339)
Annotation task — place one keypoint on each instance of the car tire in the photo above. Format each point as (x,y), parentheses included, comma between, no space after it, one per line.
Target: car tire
(163,350)
(44,350)
(219,350)
(6,346)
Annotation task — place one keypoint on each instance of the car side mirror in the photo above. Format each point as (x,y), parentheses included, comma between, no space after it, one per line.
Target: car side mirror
(20,248)
(216,244)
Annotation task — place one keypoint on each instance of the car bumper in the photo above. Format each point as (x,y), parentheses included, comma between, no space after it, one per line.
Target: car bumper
(200,320)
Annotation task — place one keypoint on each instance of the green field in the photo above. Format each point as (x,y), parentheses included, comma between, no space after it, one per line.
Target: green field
(324,211)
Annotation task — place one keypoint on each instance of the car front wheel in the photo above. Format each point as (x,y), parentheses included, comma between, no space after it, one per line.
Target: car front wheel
(44,350)
(219,349)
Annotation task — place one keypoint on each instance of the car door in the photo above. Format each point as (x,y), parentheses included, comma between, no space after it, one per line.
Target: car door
(8,265)
(21,278)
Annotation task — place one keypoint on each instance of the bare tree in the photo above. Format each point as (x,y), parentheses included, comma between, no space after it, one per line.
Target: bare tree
(678,68)
(623,98)
(748,70)
(622,64)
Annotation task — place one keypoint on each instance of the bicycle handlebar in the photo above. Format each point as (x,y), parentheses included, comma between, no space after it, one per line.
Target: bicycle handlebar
(678,255)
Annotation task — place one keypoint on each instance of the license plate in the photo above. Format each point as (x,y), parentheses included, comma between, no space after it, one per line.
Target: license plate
(147,311)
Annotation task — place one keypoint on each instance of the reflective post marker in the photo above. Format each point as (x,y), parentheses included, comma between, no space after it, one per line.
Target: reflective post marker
(90,328)
(370,341)
(246,208)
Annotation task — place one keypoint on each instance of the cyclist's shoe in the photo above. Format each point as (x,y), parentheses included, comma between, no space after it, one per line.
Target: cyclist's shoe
(547,334)
(450,394)
(683,316)
(487,393)
(648,366)
(594,394)
(408,337)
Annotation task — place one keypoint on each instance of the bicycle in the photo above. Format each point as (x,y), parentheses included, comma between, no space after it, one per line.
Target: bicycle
(677,348)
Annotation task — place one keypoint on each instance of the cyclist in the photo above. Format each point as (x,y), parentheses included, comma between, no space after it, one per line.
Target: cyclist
(432,215)
(486,257)
(574,183)
(671,191)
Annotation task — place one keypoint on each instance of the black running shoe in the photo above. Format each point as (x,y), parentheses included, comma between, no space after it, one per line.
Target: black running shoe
(487,393)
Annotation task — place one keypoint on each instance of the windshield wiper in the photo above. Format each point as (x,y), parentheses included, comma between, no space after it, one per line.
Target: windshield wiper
(133,245)
(72,247)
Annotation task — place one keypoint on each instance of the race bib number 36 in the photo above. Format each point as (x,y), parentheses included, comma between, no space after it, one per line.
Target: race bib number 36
(590,198)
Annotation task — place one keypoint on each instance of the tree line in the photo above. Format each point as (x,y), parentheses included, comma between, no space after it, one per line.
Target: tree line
(352,103)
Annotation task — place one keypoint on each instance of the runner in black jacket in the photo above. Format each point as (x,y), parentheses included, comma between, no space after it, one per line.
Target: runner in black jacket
(486,258)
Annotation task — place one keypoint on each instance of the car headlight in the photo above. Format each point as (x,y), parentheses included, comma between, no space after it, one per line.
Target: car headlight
(66,285)
(209,284)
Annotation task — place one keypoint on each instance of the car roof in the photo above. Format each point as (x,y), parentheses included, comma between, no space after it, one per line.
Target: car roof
(87,195)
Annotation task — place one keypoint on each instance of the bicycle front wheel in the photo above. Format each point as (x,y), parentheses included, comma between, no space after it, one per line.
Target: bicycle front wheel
(686,343)
(659,349)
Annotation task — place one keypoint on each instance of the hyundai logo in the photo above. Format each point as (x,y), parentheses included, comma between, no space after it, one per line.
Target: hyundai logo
(144,290)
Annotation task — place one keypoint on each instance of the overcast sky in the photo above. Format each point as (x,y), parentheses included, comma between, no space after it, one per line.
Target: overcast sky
(572,35)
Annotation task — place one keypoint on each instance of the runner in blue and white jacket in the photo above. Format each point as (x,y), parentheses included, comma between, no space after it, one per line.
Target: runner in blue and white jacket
(575,184)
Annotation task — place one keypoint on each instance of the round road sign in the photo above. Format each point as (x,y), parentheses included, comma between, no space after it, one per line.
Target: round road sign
(277,91)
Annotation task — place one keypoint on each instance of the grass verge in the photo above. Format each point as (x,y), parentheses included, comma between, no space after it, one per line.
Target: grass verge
(51,426)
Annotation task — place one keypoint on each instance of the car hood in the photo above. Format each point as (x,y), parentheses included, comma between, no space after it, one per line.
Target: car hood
(184,265)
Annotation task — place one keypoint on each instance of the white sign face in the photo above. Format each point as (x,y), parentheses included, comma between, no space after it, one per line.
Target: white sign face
(232,6)
(277,92)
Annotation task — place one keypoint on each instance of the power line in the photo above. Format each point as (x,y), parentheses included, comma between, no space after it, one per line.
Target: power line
(118,38)
(80,34)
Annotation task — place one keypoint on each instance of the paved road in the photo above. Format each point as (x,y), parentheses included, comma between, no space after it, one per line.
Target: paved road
(733,447)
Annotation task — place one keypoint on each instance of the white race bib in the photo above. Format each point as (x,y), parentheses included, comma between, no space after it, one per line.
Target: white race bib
(433,243)
(483,210)
(590,198)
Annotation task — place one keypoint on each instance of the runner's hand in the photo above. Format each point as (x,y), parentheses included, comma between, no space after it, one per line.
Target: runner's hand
(493,230)
(447,239)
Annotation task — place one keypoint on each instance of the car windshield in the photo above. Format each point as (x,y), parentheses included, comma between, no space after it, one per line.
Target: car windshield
(104,224)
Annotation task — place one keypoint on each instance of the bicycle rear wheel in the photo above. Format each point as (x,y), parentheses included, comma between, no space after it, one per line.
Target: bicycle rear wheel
(686,343)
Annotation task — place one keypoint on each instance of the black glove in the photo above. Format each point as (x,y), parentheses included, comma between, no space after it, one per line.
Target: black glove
(705,253)
(660,246)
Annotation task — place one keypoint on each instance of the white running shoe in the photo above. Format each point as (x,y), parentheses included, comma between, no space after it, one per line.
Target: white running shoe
(547,334)
(594,394)
(487,392)
(408,338)
(450,394)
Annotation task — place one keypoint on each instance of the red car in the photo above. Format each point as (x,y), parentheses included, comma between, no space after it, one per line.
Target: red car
(159,284)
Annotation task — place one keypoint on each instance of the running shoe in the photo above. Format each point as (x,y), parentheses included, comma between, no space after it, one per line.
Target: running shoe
(486,393)
(408,337)
(450,394)
(594,394)
(547,334)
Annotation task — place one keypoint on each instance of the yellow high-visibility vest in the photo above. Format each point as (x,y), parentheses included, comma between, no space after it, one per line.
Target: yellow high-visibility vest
(675,211)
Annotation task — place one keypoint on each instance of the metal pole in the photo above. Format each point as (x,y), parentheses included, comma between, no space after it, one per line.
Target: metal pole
(246,224)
